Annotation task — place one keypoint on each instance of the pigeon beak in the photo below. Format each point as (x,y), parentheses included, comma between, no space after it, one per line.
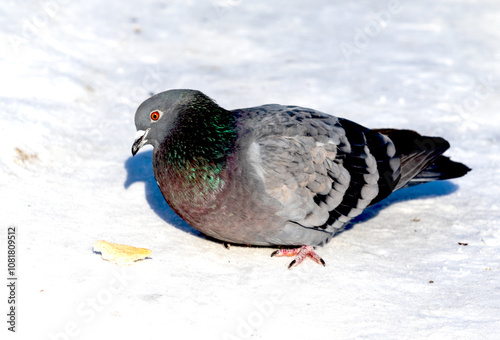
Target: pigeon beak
(140,140)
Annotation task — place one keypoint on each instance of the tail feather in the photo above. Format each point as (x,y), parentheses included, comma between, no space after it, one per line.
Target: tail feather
(421,158)
(442,168)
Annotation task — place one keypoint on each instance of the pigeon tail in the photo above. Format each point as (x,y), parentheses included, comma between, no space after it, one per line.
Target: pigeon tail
(421,158)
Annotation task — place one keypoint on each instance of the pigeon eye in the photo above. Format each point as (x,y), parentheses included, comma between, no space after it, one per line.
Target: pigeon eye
(155,115)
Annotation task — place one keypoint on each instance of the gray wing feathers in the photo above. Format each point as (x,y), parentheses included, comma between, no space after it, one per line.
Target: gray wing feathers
(301,154)
(319,167)
(296,169)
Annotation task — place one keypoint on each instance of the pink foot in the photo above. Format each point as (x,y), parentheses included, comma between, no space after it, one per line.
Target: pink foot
(300,253)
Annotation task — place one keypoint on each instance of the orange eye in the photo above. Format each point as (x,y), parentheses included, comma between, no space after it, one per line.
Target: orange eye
(155,115)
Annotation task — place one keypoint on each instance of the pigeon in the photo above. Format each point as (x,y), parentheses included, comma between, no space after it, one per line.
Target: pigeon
(277,175)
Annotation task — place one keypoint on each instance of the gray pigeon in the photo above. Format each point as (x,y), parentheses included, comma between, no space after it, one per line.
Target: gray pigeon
(277,175)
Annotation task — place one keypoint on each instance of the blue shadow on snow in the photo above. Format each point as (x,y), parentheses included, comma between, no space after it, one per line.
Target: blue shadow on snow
(422,191)
(140,169)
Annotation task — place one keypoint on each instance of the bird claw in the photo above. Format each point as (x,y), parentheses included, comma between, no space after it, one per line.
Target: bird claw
(300,253)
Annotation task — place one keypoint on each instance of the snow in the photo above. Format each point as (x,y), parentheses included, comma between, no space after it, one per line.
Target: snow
(73,74)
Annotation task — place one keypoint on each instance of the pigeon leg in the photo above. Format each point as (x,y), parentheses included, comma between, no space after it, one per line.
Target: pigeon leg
(300,253)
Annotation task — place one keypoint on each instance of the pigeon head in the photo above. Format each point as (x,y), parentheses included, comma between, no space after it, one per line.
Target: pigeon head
(157,117)
(188,117)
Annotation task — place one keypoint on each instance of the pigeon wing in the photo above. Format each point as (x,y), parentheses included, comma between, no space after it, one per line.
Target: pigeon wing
(323,170)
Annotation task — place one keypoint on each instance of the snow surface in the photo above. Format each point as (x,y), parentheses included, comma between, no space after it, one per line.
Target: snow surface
(73,73)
